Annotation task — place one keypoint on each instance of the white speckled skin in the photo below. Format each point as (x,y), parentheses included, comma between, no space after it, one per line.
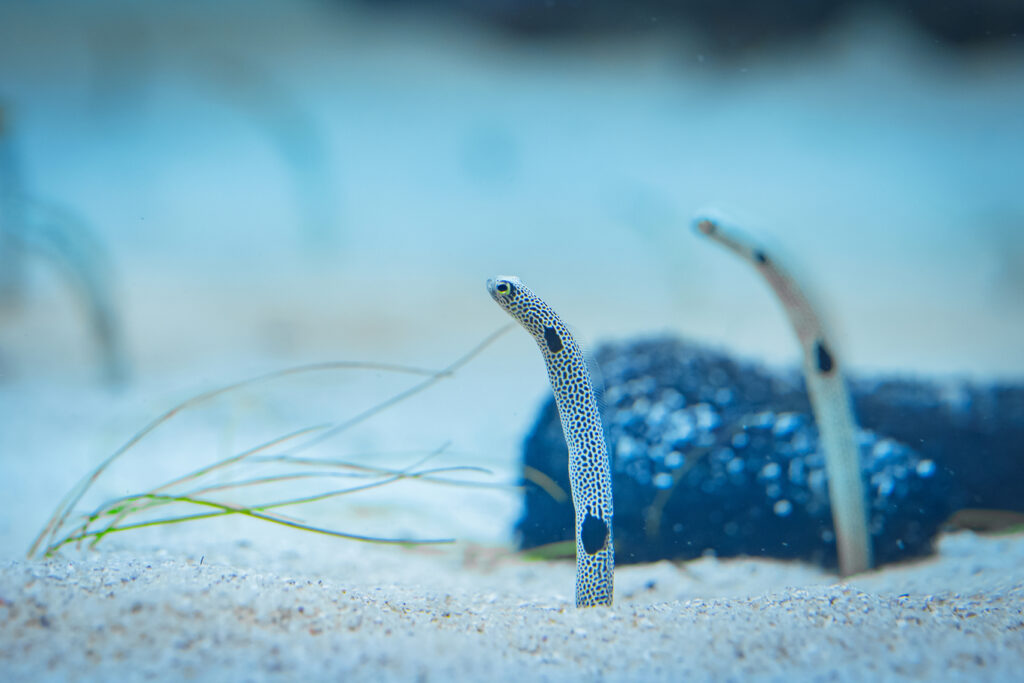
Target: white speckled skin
(589,469)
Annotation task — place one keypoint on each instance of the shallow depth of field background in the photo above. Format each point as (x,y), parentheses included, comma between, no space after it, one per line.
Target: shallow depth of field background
(275,183)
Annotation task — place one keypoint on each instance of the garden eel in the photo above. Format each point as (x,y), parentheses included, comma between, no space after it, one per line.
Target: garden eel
(830,402)
(589,471)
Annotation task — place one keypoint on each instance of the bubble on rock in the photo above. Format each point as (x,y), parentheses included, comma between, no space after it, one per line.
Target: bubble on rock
(662,480)
(797,472)
(657,414)
(866,438)
(707,418)
(724,396)
(884,484)
(786,424)
(657,451)
(681,427)
(884,449)
(615,396)
(802,443)
(628,448)
(672,399)
(674,459)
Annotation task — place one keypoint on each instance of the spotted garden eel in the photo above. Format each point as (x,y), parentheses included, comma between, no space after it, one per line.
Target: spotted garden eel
(830,401)
(589,471)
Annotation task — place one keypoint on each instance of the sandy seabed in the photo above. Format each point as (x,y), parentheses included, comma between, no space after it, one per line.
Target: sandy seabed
(372,613)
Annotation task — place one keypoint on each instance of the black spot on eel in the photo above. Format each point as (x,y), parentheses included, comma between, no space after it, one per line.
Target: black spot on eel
(589,469)
(823,357)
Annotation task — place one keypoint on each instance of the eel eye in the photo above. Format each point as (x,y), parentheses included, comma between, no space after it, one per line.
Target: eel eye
(503,288)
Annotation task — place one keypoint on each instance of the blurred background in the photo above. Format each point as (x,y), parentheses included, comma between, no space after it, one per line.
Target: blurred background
(194,192)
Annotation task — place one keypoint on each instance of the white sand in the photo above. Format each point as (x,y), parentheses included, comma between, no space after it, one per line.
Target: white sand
(387,614)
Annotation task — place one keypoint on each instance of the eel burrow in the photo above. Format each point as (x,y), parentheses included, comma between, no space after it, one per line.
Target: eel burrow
(589,469)
(830,401)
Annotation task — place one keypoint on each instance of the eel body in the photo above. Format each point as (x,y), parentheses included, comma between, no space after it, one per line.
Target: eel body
(830,400)
(589,469)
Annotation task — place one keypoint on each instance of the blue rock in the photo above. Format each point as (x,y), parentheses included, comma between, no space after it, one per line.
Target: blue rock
(710,453)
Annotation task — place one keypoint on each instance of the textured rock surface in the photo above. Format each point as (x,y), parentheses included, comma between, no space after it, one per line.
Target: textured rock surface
(711,453)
